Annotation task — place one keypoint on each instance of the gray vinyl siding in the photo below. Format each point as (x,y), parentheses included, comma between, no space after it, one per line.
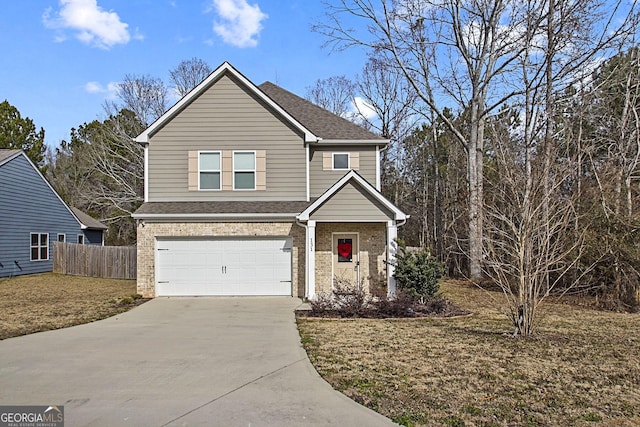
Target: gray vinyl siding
(27,205)
(349,204)
(321,180)
(226,117)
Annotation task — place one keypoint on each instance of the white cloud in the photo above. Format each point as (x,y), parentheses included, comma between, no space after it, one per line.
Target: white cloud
(93,25)
(360,106)
(240,23)
(93,87)
(111,89)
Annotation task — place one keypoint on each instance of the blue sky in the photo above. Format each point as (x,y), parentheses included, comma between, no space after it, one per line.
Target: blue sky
(60,58)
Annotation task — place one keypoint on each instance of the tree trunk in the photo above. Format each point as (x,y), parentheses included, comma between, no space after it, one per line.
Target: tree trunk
(474,171)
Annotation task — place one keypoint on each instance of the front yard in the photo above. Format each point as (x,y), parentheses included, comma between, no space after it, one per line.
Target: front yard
(47,301)
(582,368)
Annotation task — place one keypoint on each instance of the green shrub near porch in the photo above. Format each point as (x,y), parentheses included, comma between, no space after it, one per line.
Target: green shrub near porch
(417,273)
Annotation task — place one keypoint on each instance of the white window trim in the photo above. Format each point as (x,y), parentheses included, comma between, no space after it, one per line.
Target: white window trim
(333,162)
(38,246)
(234,170)
(64,238)
(212,170)
(80,237)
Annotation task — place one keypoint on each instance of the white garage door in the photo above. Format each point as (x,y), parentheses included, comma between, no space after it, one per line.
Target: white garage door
(223,267)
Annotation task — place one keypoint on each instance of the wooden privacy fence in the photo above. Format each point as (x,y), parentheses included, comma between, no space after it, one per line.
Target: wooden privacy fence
(111,262)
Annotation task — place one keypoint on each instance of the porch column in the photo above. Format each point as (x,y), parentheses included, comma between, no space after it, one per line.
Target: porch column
(311,259)
(392,250)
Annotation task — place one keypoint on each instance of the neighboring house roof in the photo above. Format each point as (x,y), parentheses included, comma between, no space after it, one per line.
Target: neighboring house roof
(364,185)
(219,209)
(323,123)
(87,221)
(223,69)
(6,155)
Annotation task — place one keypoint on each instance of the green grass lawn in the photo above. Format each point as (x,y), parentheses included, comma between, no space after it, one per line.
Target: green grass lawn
(582,368)
(41,302)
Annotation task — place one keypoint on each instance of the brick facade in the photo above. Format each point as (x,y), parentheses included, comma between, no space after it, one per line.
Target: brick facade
(372,241)
(148,231)
(373,247)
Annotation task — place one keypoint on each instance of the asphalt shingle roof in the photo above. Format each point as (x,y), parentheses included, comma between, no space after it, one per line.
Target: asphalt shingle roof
(222,207)
(321,122)
(88,221)
(5,154)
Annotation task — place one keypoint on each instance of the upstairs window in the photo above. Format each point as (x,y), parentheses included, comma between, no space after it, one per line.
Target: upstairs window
(62,237)
(209,170)
(39,246)
(340,161)
(244,170)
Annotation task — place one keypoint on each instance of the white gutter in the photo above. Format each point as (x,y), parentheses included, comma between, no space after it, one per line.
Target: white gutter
(352,142)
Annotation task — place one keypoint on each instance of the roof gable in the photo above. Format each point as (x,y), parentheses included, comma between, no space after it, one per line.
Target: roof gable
(7,155)
(366,189)
(223,69)
(323,123)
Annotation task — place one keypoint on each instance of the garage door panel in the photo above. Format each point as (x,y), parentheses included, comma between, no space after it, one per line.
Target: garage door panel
(223,266)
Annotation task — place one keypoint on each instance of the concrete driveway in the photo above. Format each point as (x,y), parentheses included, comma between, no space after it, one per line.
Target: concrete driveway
(179,362)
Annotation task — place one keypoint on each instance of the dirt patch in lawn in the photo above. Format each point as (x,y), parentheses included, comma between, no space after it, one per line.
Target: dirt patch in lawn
(42,302)
(582,368)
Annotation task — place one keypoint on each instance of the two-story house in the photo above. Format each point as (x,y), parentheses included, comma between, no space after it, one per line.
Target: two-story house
(252,190)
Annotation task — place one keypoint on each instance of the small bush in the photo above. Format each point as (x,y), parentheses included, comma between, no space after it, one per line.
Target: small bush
(346,300)
(351,300)
(322,304)
(417,274)
(402,305)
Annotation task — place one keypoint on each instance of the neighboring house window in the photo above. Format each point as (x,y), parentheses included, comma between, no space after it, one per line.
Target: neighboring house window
(209,170)
(61,237)
(81,239)
(39,246)
(340,161)
(244,170)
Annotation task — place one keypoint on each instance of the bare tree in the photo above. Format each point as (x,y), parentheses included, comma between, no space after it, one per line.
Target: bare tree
(531,244)
(188,74)
(146,96)
(335,94)
(452,53)
(118,162)
(466,55)
(389,96)
(607,110)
